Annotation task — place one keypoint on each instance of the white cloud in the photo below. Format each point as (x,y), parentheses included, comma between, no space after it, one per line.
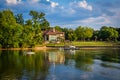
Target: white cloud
(82,4)
(96,20)
(54,4)
(100,20)
(32,1)
(35,1)
(13,1)
(48,0)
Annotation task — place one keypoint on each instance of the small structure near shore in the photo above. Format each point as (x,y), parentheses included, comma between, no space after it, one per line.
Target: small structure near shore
(71,47)
(53,35)
(28,52)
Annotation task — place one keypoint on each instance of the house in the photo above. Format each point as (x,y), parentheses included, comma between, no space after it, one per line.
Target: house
(53,35)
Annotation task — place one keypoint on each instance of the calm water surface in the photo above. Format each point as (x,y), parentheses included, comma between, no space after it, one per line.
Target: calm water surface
(60,65)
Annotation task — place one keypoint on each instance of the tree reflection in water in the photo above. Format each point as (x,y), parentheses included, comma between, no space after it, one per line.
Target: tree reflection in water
(15,65)
(55,64)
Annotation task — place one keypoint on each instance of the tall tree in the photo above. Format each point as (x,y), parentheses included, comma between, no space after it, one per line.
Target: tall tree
(28,22)
(84,33)
(39,19)
(19,19)
(9,29)
(108,33)
(95,36)
(58,28)
(71,35)
(66,31)
(27,37)
(118,29)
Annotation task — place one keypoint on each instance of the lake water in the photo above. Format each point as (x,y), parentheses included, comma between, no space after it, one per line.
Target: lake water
(60,65)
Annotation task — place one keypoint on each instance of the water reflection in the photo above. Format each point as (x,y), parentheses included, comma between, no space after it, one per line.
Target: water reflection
(56,57)
(15,65)
(60,65)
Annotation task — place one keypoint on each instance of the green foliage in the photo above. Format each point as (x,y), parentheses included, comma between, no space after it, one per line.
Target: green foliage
(38,19)
(65,30)
(84,32)
(108,33)
(9,29)
(28,22)
(0,46)
(58,28)
(27,36)
(118,30)
(69,34)
(14,33)
(95,35)
(19,19)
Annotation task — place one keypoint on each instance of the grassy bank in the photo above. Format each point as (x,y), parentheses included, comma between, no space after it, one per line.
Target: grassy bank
(76,43)
(84,45)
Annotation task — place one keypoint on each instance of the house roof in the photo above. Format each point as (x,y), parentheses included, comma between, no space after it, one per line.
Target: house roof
(52,32)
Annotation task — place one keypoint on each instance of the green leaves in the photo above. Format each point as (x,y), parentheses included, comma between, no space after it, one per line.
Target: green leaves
(19,19)
(108,33)
(38,19)
(10,30)
(84,32)
(14,33)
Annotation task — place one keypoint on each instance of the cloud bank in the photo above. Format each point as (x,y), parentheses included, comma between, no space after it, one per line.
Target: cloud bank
(70,13)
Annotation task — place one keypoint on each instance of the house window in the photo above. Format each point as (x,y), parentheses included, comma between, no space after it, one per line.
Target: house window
(52,37)
(61,34)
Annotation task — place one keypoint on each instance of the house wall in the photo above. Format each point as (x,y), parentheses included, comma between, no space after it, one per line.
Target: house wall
(52,37)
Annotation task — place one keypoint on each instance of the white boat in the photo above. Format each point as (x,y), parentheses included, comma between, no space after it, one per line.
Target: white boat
(28,53)
(70,47)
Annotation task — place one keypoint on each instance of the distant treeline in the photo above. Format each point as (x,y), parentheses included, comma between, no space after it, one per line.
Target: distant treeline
(17,32)
(83,33)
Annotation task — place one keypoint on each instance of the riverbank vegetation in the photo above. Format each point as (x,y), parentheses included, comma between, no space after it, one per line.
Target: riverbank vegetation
(16,32)
(87,43)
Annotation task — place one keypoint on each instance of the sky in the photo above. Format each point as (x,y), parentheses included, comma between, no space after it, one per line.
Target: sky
(70,13)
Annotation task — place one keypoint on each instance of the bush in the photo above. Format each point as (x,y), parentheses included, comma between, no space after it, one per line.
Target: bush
(0,46)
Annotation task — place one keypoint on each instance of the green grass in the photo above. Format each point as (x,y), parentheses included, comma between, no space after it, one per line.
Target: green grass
(93,43)
(90,43)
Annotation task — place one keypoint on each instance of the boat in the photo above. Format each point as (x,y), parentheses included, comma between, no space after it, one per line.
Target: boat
(28,53)
(70,47)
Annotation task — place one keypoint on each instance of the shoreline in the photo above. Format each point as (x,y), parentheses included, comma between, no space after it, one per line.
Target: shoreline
(58,47)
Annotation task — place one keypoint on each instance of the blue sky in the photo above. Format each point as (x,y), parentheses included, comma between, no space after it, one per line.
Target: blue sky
(70,13)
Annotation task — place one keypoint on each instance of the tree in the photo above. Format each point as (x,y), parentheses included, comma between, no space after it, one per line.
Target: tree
(39,19)
(10,31)
(66,31)
(88,32)
(118,30)
(95,36)
(108,33)
(27,37)
(71,35)
(28,22)
(45,25)
(19,19)
(58,28)
(84,33)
